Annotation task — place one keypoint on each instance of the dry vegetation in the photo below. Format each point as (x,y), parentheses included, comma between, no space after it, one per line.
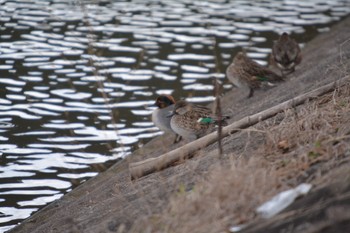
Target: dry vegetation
(300,145)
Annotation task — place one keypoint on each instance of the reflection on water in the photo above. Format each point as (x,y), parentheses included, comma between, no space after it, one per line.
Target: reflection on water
(78,80)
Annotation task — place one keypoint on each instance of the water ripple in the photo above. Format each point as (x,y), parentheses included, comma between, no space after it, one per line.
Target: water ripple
(12,82)
(62,147)
(43,183)
(40,201)
(20,114)
(70,94)
(196,57)
(13,213)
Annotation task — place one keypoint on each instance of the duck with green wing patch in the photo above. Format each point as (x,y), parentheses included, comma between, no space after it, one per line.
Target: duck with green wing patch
(243,72)
(193,121)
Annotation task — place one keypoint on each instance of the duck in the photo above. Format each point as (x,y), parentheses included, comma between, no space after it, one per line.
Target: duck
(286,54)
(243,72)
(192,121)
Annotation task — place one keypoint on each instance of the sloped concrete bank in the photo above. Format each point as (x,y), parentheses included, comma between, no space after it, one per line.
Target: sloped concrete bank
(111,201)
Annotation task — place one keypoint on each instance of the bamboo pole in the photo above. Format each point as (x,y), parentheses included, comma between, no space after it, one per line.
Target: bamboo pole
(145,167)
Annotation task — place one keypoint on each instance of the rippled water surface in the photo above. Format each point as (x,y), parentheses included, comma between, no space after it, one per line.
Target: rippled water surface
(78,78)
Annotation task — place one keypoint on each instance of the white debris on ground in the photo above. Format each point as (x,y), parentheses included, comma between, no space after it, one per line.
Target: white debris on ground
(282,200)
(237,228)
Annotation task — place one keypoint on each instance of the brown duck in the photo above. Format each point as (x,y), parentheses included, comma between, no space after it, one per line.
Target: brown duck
(286,54)
(193,121)
(244,72)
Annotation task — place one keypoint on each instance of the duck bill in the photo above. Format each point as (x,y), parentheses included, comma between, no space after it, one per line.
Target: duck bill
(155,104)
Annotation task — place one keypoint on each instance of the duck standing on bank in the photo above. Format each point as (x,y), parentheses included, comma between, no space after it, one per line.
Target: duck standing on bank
(246,73)
(286,54)
(165,104)
(193,121)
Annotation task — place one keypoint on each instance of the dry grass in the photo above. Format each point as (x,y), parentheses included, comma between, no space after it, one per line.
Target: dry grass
(301,145)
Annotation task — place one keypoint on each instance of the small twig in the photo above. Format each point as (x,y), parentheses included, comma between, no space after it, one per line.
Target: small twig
(341,50)
(333,96)
(218,112)
(100,84)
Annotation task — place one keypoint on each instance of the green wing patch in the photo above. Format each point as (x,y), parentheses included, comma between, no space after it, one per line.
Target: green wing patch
(205,120)
(261,78)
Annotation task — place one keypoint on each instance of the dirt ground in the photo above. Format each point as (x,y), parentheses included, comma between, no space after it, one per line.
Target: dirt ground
(111,202)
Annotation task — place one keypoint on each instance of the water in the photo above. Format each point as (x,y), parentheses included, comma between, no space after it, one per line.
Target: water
(78,78)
